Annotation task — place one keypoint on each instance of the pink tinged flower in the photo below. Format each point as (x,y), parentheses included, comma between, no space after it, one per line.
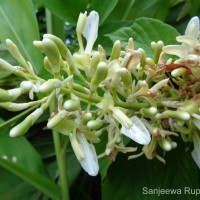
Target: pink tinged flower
(196,151)
(137,132)
(90,30)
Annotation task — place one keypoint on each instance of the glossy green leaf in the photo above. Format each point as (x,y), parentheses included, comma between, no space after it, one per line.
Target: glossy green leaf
(133,9)
(143,32)
(139,178)
(67,10)
(18,23)
(12,187)
(103,7)
(42,183)
(23,160)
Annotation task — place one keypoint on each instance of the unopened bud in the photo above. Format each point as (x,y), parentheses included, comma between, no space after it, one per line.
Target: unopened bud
(177,114)
(81,22)
(14,106)
(10,95)
(178,72)
(55,120)
(126,77)
(165,145)
(116,50)
(26,85)
(94,124)
(24,126)
(149,112)
(99,76)
(47,65)
(21,128)
(37,44)
(50,85)
(53,54)
(15,52)
(71,105)
(86,117)
(96,58)
(59,43)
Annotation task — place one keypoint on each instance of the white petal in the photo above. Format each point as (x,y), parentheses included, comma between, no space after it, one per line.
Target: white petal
(90,162)
(138,132)
(178,50)
(90,30)
(193,27)
(187,39)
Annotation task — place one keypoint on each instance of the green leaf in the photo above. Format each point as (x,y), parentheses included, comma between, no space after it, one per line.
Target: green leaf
(42,183)
(12,187)
(143,32)
(24,161)
(103,7)
(18,23)
(67,10)
(136,179)
(132,9)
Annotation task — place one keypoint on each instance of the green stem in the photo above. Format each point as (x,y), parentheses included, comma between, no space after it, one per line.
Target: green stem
(62,168)
(61,161)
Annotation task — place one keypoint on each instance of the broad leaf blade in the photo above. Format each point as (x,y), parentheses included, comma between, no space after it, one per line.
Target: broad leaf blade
(18,23)
(67,10)
(42,183)
(103,7)
(139,178)
(24,161)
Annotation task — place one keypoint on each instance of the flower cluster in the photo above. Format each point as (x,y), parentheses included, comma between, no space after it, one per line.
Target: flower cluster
(126,94)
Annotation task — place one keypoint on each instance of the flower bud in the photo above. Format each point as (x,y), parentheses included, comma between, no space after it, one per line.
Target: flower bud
(59,43)
(37,44)
(6,66)
(99,76)
(26,85)
(14,106)
(10,95)
(149,112)
(55,120)
(81,23)
(177,114)
(15,52)
(116,50)
(21,128)
(53,54)
(96,58)
(71,105)
(178,72)
(165,145)
(24,126)
(86,117)
(47,65)
(126,78)
(94,124)
(50,85)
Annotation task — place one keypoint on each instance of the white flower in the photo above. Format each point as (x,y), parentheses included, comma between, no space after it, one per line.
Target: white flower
(189,40)
(138,132)
(85,154)
(90,30)
(196,151)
